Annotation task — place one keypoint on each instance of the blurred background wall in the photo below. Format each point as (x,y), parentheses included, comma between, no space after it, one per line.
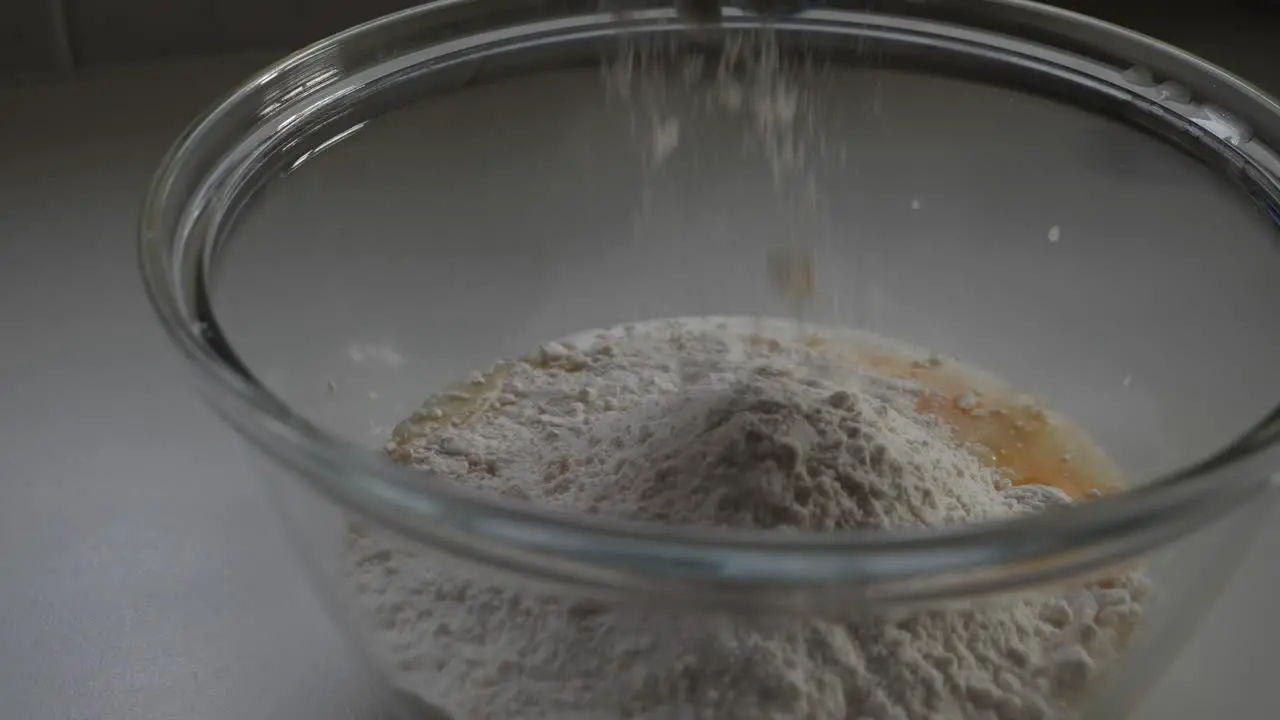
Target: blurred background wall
(42,38)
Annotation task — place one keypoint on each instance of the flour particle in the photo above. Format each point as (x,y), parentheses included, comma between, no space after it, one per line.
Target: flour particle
(750,80)
(752,87)
(717,423)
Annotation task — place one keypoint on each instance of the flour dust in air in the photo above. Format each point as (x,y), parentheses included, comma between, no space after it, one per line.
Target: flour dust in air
(750,424)
(750,87)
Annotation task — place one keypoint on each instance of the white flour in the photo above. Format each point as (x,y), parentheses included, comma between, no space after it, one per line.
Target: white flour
(749,87)
(695,422)
(749,79)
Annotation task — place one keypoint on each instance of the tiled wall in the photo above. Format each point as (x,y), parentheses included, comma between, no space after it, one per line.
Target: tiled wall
(59,36)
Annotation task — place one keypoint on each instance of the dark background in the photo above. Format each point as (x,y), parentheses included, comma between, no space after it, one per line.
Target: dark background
(41,37)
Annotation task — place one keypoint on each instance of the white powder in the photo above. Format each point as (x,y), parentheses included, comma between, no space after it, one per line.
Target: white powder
(750,79)
(751,87)
(370,352)
(704,423)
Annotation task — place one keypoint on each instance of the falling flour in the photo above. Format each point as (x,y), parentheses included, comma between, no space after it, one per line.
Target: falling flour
(726,423)
(749,87)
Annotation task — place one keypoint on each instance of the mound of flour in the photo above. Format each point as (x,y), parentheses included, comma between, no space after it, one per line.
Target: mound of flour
(703,424)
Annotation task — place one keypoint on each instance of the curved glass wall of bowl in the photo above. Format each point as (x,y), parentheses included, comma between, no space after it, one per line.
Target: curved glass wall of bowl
(997,164)
(327,104)
(701,12)
(1085,213)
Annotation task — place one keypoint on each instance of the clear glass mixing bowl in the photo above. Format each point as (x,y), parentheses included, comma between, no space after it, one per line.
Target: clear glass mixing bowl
(1085,212)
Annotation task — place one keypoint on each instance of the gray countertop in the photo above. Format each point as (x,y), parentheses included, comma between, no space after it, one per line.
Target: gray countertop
(143,574)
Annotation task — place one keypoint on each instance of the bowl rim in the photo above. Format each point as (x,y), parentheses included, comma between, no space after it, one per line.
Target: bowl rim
(739,567)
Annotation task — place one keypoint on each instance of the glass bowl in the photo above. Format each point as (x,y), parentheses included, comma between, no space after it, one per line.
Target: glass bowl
(1083,212)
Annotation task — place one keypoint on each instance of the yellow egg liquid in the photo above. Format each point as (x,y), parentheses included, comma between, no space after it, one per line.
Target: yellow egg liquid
(1004,428)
